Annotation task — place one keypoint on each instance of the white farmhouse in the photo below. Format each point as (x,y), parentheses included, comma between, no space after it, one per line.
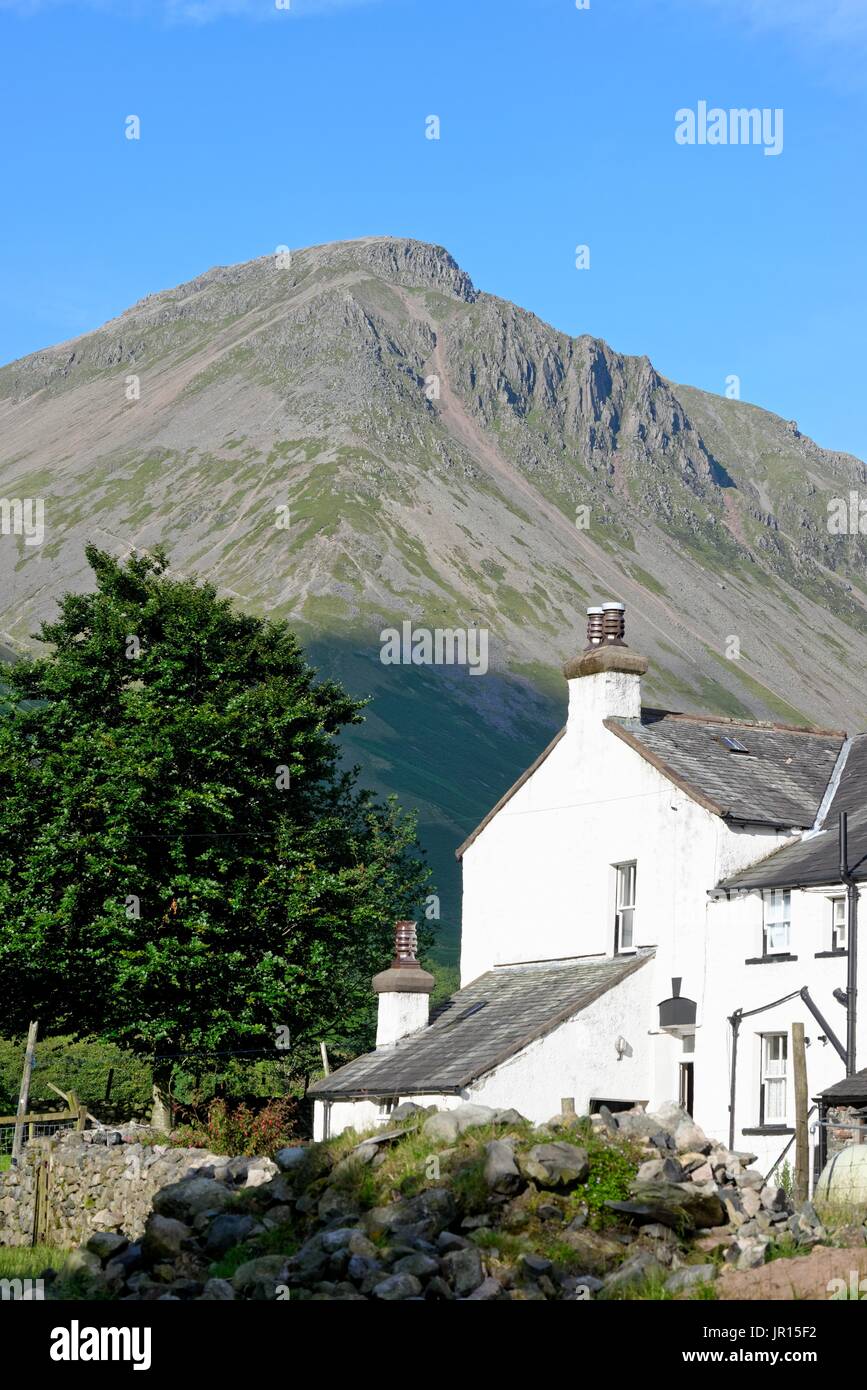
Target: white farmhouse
(646,912)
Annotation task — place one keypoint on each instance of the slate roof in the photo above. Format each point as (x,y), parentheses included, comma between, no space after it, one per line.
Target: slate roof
(521,1003)
(811,862)
(780,781)
(851,794)
(852,1090)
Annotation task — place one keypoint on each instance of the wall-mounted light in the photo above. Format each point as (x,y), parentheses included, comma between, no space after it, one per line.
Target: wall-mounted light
(622,1048)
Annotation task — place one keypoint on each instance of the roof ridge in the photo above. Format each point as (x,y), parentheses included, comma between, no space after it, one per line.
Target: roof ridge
(744,723)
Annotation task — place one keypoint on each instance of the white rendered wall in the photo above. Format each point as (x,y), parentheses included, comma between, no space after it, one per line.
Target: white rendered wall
(578,1059)
(735,936)
(398,1014)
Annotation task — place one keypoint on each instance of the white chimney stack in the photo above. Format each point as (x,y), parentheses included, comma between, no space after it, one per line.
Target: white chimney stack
(404,990)
(605,680)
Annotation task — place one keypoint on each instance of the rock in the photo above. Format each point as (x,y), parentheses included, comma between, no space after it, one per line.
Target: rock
(217,1291)
(396,1287)
(290,1159)
(750,1201)
(639,1126)
(184,1200)
(438,1288)
(448,1241)
(607,1119)
(261,1171)
(688,1137)
(463,1270)
(442,1127)
(665,1169)
(774,1199)
(702,1174)
(508,1117)
(164,1238)
(752,1252)
(488,1290)
(501,1171)
(82,1262)
(427,1214)
(534,1265)
(596,1253)
(258,1279)
(690,1277)
(105,1245)
(448,1124)
(309,1264)
(585,1281)
(227,1230)
(679,1205)
(419,1264)
(555,1165)
(405,1111)
(751,1177)
(634,1271)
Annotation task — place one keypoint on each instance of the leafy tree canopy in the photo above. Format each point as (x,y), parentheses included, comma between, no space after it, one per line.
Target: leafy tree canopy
(184,864)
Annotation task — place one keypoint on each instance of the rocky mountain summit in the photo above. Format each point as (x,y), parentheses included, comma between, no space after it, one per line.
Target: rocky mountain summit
(353,436)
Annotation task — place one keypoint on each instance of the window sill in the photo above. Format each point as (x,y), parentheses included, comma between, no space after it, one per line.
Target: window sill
(826,955)
(769,1129)
(769,960)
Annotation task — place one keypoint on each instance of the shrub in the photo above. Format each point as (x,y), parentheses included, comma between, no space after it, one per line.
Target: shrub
(240,1130)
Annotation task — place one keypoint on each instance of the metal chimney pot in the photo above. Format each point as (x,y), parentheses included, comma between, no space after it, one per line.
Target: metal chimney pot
(614,623)
(594,627)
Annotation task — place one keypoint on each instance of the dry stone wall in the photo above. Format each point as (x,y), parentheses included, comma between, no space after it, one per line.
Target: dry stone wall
(102,1182)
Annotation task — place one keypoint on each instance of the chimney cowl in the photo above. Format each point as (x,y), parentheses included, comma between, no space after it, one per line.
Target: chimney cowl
(606,648)
(404,975)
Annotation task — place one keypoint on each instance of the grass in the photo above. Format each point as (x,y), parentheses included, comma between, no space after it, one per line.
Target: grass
(28,1261)
(5,1162)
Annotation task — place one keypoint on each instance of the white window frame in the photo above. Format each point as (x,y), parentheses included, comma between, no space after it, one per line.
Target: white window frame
(839,924)
(776,921)
(774,1079)
(625,880)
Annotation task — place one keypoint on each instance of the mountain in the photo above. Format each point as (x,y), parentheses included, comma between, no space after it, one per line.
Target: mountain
(436,447)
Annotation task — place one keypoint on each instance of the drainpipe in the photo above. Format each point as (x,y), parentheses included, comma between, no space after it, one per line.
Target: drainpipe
(851,945)
(735,1022)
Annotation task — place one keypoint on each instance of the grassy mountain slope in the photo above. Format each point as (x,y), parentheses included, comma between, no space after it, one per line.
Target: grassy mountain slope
(434,446)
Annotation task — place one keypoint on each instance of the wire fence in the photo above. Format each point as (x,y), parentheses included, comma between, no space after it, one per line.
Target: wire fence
(33,1129)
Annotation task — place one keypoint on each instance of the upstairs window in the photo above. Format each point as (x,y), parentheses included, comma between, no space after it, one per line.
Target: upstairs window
(775,1061)
(778,918)
(838,924)
(624,916)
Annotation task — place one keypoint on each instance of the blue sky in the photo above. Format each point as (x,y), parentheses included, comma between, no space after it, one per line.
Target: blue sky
(262,127)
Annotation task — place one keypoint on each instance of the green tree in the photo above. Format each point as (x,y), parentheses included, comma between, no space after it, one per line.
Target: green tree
(184,864)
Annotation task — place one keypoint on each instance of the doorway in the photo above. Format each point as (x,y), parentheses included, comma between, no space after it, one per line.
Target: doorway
(687,1086)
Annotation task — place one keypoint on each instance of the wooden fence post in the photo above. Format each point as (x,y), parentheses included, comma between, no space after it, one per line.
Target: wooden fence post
(802,1144)
(24,1093)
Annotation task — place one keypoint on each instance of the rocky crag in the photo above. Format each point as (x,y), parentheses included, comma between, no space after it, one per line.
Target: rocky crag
(445,457)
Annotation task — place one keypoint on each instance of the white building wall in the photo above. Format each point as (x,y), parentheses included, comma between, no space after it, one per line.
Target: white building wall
(735,935)
(579,1059)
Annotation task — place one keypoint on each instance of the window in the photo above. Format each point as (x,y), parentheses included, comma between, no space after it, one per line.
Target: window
(775,1055)
(734,745)
(778,913)
(838,924)
(624,917)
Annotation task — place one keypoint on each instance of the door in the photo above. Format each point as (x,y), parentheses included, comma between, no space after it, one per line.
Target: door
(687,1086)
